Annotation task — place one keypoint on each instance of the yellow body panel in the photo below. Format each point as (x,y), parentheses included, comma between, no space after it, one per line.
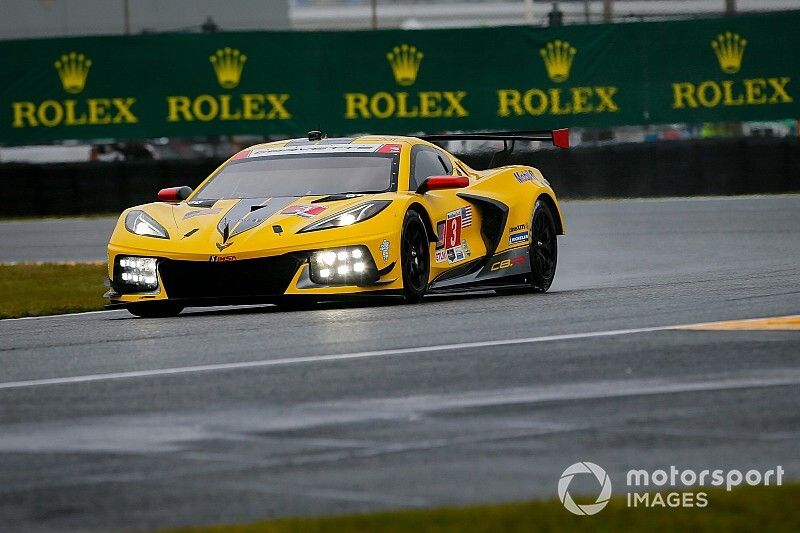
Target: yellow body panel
(194,233)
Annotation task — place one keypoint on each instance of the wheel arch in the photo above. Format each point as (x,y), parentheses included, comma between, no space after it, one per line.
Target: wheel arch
(551,203)
(426,219)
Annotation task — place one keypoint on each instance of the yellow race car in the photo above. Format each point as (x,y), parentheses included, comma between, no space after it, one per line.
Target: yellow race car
(313,219)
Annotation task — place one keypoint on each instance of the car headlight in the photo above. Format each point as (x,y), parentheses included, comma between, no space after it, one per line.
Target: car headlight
(136,274)
(353,215)
(343,266)
(140,223)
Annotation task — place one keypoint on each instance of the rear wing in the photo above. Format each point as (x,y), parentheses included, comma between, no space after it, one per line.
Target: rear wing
(559,138)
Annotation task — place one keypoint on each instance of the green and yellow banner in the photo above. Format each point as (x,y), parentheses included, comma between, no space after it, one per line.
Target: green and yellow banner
(285,83)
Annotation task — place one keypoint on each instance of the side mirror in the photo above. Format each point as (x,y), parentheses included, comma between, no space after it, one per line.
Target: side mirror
(174,194)
(437,183)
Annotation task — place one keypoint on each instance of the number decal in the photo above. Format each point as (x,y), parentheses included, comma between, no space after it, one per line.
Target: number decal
(450,246)
(452,236)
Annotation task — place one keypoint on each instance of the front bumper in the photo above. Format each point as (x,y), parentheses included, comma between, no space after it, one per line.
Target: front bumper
(260,279)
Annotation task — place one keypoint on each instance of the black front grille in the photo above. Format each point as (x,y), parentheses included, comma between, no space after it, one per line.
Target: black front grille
(228,279)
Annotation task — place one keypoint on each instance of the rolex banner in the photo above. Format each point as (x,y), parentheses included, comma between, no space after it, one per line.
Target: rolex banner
(724,69)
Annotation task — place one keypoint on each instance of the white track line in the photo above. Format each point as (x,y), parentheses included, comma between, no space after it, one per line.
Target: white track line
(319,358)
(63,315)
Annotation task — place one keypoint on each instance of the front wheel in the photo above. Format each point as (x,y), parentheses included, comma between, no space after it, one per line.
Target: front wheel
(155,309)
(414,257)
(544,247)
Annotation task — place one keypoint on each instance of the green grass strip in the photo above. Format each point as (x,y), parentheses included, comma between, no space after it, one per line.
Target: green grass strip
(47,289)
(772,509)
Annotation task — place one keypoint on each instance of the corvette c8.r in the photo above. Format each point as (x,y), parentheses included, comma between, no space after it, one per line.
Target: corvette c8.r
(315,219)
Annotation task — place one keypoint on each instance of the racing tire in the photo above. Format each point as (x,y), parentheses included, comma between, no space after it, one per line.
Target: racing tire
(543,247)
(155,309)
(414,257)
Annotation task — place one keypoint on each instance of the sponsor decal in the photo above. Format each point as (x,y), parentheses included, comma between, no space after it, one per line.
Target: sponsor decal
(516,238)
(454,255)
(222,258)
(324,149)
(525,175)
(305,211)
(729,50)
(465,248)
(441,256)
(384,248)
(506,263)
(518,227)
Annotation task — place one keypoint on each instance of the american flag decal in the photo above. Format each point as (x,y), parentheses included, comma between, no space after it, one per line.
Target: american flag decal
(466,216)
(305,211)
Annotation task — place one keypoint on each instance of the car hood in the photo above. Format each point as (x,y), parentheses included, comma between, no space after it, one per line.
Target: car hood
(242,225)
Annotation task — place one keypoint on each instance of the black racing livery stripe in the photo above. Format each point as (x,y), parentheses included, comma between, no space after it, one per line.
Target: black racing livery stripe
(249,213)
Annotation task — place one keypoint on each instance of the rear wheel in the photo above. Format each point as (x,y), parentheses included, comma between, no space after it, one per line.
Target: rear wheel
(414,257)
(544,247)
(155,309)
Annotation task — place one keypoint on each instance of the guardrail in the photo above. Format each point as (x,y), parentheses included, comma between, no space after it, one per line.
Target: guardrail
(674,168)
(671,168)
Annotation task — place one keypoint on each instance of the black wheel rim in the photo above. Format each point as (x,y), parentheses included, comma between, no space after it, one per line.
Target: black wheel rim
(543,246)
(415,256)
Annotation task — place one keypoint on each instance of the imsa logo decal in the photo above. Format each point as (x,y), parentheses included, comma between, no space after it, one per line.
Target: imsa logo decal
(222,258)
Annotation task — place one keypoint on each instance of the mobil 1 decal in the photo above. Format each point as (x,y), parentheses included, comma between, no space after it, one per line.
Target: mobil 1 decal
(451,247)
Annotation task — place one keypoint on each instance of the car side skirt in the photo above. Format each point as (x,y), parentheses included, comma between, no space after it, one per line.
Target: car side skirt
(508,268)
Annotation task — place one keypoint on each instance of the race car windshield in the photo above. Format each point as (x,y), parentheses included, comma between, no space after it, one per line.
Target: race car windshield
(302,176)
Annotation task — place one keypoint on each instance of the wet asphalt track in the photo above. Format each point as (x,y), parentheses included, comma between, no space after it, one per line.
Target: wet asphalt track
(303,434)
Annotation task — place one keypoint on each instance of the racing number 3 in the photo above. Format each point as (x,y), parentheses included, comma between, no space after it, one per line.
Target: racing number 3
(452,236)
